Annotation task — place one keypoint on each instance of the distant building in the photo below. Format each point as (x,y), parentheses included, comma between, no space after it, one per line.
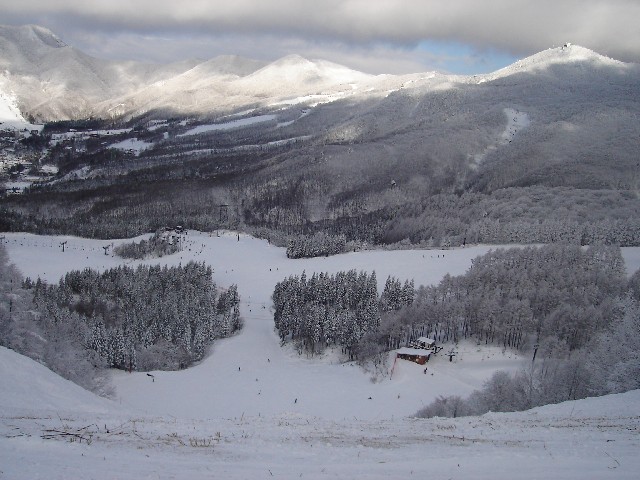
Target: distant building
(417,355)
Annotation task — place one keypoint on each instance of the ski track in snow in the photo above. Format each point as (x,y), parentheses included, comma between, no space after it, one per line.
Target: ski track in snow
(253,409)
(516,121)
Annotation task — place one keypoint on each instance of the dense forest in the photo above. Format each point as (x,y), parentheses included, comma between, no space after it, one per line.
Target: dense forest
(572,309)
(326,310)
(146,318)
(557,301)
(607,363)
(335,310)
(554,299)
(150,317)
(318,245)
(553,295)
(57,342)
(287,213)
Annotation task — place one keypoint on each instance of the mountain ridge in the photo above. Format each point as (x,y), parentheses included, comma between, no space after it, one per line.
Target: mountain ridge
(54,81)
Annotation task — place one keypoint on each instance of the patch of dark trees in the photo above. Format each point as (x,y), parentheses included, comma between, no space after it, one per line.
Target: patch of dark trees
(335,310)
(161,243)
(146,318)
(557,297)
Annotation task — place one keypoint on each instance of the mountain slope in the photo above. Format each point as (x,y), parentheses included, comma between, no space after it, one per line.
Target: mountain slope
(27,385)
(54,81)
(340,145)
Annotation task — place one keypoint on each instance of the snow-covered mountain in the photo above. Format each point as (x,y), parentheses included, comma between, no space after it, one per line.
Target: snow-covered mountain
(565,117)
(54,81)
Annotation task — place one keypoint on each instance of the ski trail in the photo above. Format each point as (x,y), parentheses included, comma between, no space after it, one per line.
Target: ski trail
(516,121)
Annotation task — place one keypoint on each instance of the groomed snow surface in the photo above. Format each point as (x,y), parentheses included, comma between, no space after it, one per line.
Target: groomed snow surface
(254,409)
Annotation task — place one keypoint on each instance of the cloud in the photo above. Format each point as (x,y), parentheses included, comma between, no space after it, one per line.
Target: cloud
(350,27)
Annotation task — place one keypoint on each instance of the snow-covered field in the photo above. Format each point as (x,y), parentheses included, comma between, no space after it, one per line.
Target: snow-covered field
(253,409)
(241,122)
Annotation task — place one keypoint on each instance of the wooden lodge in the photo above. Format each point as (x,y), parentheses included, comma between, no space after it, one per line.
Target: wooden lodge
(417,355)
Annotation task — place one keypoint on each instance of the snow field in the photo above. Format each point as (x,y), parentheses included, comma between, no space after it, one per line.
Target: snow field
(61,439)
(240,123)
(132,144)
(250,374)
(253,409)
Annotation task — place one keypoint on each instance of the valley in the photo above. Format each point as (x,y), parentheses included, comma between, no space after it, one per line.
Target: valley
(541,151)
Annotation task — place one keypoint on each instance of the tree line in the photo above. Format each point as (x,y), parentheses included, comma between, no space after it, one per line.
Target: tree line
(150,317)
(334,310)
(555,296)
(57,342)
(608,363)
(318,245)
(160,244)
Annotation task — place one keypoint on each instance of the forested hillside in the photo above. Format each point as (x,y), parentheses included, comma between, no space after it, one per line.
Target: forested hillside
(146,318)
(555,299)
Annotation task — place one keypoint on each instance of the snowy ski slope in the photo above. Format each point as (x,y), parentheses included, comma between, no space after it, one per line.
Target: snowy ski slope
(255,410)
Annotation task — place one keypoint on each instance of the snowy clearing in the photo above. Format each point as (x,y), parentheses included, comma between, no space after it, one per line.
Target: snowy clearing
(240,123)
(271,378)
(132,145)
(516,121)
(253,409)
(51,429)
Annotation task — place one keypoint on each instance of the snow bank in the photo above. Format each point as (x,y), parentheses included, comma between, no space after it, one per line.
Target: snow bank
(28,385)
(10,116)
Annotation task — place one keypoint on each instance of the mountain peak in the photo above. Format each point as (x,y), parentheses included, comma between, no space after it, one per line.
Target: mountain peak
(297,70)
(30,36)
(231,65)
(46,36)
(567,54)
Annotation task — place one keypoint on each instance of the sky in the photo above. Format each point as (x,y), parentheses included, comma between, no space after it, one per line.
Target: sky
(374,36)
